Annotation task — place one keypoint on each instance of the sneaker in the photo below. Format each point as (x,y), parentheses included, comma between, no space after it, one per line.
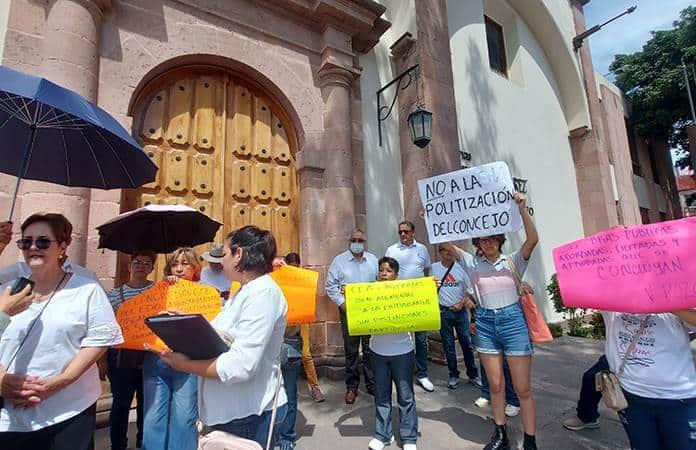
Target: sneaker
(409,446)
(286,445)
(575,424)
(453,382)
(426,384)
(376,444)
(476,381)
(512,410)
(317,395)
(482,402)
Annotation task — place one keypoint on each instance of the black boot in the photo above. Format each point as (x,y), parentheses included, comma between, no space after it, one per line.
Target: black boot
(529,442)
(499,440)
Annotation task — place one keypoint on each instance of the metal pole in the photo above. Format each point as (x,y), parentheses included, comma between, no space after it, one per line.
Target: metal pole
(23,169)
(688,90)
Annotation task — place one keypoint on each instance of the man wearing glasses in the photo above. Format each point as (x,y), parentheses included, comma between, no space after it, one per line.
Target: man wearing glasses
(414,262)
(355,265)
(21,269)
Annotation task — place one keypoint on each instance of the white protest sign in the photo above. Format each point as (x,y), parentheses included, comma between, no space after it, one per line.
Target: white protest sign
(470,203)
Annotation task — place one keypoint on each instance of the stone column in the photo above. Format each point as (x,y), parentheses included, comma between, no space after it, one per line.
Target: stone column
(589,149)
(70,59)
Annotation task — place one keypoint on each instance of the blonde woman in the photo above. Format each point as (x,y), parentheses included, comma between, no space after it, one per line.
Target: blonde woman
(171,396)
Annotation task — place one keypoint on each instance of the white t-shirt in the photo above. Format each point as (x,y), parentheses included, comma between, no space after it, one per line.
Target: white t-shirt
(661,364)
(79,315)
(454,286)
(391,344)
(413,259)
(218,280)
(255,319)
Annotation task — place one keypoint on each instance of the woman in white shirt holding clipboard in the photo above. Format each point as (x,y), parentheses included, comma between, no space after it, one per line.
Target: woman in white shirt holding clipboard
(237,388)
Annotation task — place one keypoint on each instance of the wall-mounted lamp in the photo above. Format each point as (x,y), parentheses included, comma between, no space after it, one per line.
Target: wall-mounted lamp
(419,121)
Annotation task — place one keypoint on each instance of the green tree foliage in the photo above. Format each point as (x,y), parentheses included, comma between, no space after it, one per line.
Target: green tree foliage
(653,82)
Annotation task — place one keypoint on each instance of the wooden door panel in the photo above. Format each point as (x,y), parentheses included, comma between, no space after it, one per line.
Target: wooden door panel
(179,112)
(261,216)
(154,118)
(282,227)
(262,130)
(176,171)
(281,148)
(239,120)
(261,182)
(282,185)
(148,199)
(202,181)
(155,155)
(206,116)
(241,180)
(240,216)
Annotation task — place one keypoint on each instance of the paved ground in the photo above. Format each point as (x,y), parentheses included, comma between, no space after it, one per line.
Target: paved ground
(449,419)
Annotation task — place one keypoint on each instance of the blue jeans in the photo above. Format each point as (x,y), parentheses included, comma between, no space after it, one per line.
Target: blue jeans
(254,428)
(125,382)
(291,372)
(502,331)
(510,395)
(653,423)
(589,397)
(171,407)
(421,354)
(457,321)
(398,370)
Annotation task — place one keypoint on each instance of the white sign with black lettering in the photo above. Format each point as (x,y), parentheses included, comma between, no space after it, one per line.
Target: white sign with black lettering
(470,203)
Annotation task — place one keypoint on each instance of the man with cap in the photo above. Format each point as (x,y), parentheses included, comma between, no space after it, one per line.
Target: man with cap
(213,275)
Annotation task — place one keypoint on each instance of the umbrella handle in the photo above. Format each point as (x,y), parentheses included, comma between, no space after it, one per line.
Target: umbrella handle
(23,169)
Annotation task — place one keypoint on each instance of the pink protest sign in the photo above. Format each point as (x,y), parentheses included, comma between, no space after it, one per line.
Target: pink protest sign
(643,269)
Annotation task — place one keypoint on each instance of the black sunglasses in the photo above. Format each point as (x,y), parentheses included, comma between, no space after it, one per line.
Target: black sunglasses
(404,231)
(42,243)
(357,240)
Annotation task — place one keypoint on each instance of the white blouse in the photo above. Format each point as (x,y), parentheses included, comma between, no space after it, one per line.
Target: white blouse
(79,315)
(255,319)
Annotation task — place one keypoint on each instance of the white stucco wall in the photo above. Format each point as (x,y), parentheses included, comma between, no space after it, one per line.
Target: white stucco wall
(519,120)
(383,180)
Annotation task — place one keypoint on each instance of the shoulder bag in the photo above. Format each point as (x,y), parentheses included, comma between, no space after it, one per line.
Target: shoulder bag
(538,329)
(607,382)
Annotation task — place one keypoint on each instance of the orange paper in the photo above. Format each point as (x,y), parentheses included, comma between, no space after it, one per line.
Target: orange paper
(300,289)
(184,296)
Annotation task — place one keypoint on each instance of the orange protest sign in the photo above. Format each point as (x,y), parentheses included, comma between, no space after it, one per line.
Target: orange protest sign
(300,289)
(185,296)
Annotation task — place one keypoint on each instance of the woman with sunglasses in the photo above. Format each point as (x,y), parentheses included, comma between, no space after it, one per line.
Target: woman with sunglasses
(50,382)
(170,395)
(501,328)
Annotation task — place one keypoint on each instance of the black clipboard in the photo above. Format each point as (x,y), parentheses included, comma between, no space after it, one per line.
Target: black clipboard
(190,334)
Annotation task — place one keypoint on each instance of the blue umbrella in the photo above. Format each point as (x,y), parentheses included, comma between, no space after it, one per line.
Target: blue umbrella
(50,133)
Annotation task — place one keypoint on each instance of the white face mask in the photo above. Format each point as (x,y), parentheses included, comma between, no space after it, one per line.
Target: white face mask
(357,247)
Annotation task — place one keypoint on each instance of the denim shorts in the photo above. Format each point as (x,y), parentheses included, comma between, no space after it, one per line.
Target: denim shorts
(502,330)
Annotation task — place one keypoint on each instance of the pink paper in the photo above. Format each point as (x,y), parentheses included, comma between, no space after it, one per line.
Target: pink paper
(643,269)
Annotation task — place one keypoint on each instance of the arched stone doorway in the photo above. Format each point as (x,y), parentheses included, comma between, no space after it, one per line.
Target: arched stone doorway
(224,146)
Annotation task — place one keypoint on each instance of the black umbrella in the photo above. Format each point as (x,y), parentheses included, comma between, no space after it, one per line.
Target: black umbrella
(159,228)
(53,134)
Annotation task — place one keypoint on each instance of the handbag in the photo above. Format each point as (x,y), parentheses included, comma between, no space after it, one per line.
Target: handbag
(220,440)
(607,382)
(538,329)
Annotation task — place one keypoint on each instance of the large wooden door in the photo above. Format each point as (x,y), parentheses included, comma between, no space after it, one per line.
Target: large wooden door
(224,148)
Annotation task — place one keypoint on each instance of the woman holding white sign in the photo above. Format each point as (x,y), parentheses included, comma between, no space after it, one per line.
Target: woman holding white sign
(501,328)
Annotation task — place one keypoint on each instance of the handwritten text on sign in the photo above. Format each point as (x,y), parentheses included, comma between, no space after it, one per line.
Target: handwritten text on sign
(470,203)
(185,296)
(386,307)
(299,287)
(644,269)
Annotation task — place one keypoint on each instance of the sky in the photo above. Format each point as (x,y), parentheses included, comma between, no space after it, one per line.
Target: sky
(629,33)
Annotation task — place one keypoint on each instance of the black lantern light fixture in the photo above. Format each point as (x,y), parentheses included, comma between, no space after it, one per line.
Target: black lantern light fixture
(420,123)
